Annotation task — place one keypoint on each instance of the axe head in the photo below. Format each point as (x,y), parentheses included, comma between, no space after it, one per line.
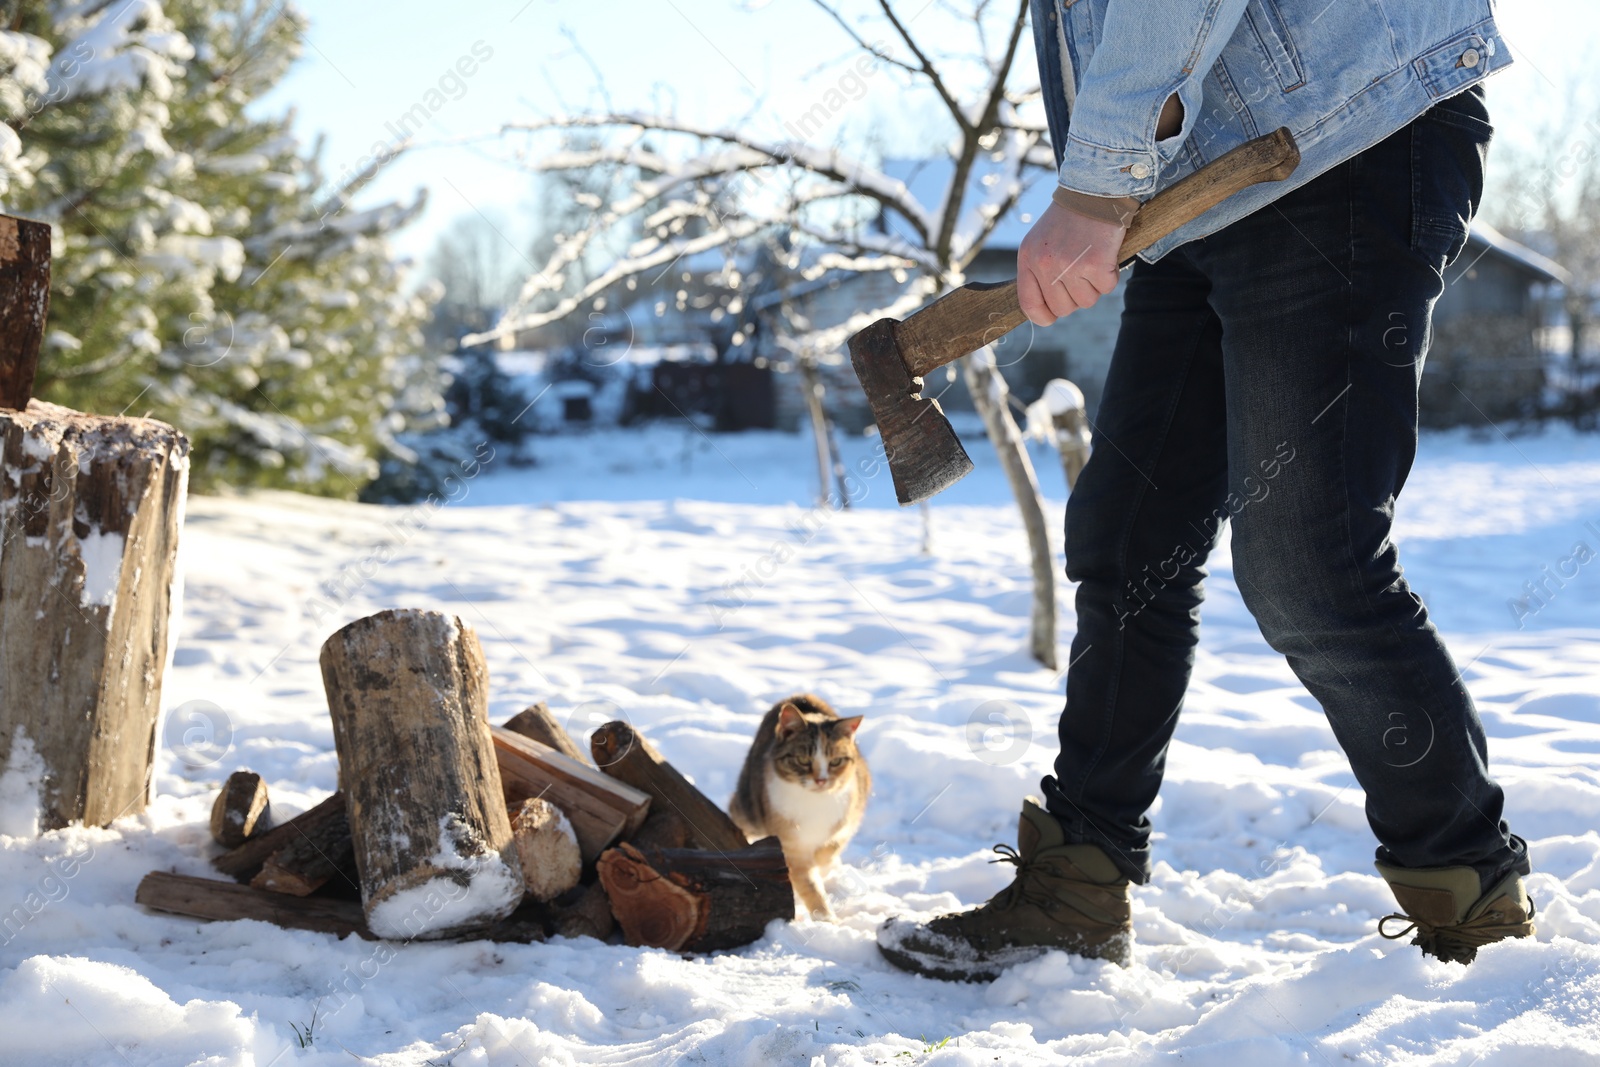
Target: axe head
(924,454)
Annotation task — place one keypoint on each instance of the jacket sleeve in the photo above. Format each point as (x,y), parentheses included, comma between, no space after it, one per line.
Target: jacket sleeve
(1147,51)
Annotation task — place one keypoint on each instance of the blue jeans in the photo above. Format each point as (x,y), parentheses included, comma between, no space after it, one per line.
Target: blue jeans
(1267,376)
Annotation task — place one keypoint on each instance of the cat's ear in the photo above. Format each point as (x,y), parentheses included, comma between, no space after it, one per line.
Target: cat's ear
(789,720)
(850,725)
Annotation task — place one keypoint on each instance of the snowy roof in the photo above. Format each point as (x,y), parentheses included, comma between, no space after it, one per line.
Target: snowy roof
(1547,269)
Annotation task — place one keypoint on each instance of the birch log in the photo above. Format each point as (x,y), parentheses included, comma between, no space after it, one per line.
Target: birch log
(408,694)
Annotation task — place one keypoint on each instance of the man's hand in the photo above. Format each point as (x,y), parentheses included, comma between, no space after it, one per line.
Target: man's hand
(1066,262)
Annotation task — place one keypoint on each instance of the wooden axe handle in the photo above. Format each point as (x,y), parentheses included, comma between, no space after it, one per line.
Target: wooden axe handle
(980,313)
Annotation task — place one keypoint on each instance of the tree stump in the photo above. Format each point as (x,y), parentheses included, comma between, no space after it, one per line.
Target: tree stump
(90,510)
(240,810)
(697,901)
(548,848)
(623,753)
(537,723)
(408,694)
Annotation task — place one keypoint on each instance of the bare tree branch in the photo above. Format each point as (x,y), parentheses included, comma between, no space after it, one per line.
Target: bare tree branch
(928,70)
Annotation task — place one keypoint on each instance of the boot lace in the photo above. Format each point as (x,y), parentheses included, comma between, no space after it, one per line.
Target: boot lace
(1458,942)
(1039,884)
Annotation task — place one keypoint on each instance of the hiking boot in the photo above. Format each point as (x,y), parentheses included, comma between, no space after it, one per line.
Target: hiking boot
(1067,897)
(1451,918)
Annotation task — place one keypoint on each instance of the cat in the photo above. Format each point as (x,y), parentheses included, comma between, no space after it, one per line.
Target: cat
(805,782)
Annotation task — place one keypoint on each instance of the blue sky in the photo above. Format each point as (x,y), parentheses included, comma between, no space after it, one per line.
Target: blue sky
(715,61)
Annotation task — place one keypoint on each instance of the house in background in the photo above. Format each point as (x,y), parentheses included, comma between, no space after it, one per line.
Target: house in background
(1486,359)
(675,354)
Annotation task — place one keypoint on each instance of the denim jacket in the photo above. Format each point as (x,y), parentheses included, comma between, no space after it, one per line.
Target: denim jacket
(1341,74)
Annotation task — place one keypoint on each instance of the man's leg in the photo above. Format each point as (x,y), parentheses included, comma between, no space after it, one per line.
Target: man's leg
(1140,521)
(1325,300)
(1144,514)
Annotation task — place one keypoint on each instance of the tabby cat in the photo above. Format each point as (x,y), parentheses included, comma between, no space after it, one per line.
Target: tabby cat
(804,781)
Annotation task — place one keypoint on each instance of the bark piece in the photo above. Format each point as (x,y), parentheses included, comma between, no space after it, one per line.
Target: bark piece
(536,722)
(694,900)
(600,808)
(212,898)
(408,695)
(588,914)
(24,304)
(311,858)
(90,511)
(240,810)
(245,862)
(548,847)
(622,752)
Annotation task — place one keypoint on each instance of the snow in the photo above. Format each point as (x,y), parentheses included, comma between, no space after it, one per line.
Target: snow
(683,581)
(20,779)
(432,908)
(101,552)
(131,45)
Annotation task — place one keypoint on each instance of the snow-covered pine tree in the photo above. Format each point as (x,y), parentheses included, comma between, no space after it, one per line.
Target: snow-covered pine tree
(205,272)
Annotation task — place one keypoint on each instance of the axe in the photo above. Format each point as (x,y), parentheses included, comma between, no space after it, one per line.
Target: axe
(891,357)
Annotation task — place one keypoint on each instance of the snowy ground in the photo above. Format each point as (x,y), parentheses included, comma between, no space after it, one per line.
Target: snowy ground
(670,578)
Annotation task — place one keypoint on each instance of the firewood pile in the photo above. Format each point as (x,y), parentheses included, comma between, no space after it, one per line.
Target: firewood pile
(447,827)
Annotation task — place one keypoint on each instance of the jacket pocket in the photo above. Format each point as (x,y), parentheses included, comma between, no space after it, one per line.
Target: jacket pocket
(1454,65)
(1282,59)
(1449,146)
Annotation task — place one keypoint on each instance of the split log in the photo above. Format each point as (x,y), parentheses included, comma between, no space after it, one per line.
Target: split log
(663,829)
(548,848)
(311,858)
(601,809)
(588,914)
(408,694)
(622,752)
(211,898)
(697,901)
(537,723)
(240,810)
(245,862)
